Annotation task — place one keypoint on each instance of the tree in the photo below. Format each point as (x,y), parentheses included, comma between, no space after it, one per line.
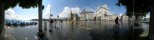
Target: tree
(139,7)
(6,4)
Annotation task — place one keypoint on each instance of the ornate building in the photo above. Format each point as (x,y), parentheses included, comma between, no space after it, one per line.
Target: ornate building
(124,18)
(86,15)
(102,13)
(113,17)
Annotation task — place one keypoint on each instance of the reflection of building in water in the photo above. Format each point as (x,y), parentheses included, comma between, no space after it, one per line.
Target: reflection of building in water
(86,15)
(73,17)
(102,13)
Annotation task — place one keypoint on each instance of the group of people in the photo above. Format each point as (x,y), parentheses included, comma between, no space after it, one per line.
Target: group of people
(51,21)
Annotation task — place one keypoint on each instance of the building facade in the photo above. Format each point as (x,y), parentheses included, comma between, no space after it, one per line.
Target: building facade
(102,13)
(124,18)
(86,15)
(113,17)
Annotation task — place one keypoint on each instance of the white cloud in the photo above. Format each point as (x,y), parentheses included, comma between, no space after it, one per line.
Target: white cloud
(47,10)
(28,16)
(65,13)
(76,10)
(10,14)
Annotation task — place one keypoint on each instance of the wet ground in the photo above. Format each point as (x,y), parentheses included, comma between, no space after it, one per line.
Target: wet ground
(83,30)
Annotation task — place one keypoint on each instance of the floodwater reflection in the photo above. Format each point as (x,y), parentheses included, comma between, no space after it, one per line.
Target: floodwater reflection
(83,30)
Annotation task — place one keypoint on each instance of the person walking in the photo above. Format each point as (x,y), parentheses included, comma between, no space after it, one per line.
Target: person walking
(117,20)
(51,24)
(116,29)
(61,21)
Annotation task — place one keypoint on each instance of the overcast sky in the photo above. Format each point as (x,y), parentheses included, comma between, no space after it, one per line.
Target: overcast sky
(63,7)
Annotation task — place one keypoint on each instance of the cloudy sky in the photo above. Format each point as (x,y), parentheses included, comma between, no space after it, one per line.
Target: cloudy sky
(62,8)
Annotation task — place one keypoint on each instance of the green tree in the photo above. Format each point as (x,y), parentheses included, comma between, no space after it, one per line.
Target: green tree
(6,4)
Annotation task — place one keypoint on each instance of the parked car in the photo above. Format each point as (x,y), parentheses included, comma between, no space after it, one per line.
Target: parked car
(15,22)
(7,22)
(22,23)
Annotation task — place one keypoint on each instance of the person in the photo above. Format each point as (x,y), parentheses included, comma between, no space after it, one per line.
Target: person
(51,22)
(117,20)
(61,21)
(55,22)
(116,29)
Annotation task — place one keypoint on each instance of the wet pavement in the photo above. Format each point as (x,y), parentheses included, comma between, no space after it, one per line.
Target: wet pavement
(83,30)
(23,32)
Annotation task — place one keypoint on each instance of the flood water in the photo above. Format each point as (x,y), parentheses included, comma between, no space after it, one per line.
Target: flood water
(83,30)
